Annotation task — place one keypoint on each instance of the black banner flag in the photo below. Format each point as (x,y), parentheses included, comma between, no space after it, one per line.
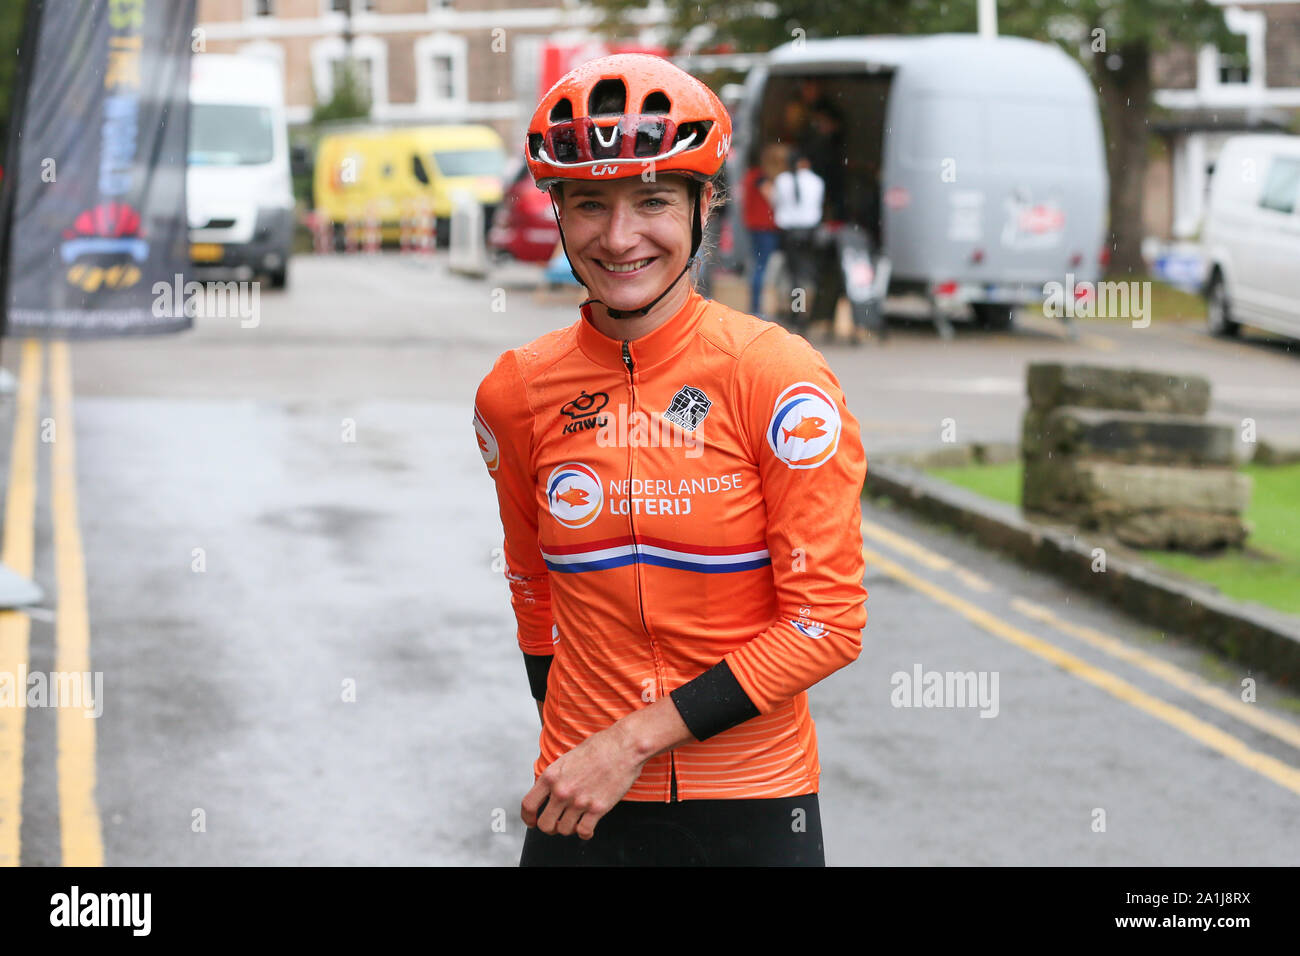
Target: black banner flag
(94,199)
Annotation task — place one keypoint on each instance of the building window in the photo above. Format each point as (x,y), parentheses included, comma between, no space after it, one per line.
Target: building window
(444,78)
(264,8)
(441,71)
(341,6)
(1234,68)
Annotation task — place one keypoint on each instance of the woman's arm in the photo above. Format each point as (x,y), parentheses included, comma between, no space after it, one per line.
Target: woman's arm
(580,787)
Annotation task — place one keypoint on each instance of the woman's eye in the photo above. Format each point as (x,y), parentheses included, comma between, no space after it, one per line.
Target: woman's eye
(589,205)
(655,203)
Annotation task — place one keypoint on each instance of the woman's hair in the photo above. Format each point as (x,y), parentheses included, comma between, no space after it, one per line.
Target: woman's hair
(721,196)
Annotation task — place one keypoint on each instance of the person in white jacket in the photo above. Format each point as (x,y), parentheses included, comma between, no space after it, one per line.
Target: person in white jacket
(798,195)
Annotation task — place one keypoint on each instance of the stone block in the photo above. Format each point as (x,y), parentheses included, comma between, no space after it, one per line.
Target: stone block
(1053,384)
(1130,437)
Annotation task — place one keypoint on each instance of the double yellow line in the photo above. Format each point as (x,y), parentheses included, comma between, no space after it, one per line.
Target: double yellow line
(79,824)
(1206,733)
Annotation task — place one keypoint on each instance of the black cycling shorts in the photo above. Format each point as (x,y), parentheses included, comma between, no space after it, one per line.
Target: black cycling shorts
(786,831)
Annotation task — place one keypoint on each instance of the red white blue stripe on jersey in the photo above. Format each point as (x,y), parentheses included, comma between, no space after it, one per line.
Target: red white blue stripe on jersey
(617,552)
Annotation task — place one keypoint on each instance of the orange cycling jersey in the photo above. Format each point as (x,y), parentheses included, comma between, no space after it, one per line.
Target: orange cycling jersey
(681,515)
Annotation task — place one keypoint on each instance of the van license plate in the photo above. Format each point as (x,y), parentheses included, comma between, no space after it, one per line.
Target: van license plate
(206,252)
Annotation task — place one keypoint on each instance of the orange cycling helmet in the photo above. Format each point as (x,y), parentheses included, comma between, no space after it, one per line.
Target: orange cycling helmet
(612,117)
(617,116)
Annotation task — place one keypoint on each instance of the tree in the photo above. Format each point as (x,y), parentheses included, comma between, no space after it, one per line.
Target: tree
(349,100)
(1114,39)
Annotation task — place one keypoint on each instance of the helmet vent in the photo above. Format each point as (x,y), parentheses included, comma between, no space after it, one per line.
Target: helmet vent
(607,97)
(562,110)
(700,129)
(656,102)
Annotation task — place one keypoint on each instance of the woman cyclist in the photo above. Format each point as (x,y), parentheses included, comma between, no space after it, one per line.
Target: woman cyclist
(679,487)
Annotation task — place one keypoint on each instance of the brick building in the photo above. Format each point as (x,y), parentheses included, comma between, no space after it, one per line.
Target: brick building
(422,61)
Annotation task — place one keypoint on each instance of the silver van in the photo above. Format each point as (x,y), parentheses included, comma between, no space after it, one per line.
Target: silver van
(1251,236)
(975,166)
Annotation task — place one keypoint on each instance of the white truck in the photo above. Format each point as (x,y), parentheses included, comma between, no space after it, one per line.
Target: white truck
(240,194)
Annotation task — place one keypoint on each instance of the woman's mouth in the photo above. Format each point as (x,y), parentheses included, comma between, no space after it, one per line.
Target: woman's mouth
(626,268)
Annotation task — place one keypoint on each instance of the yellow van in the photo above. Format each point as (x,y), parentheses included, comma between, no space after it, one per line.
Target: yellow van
(381,173)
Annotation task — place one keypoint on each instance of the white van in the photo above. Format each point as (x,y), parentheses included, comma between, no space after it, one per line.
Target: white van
(1252,236)
(240,194)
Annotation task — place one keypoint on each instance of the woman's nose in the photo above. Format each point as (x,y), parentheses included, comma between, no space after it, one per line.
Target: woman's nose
(623,230)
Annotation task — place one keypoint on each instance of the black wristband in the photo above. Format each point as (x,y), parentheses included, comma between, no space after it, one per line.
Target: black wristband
(539,667)
(713,702)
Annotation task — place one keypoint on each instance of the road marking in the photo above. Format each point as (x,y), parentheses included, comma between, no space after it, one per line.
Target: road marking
(1170,673)
(1280,773)
(936,562)
(15,626)
(83,843)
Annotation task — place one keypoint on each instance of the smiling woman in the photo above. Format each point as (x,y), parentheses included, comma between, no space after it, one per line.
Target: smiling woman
(630,239)
(677,586)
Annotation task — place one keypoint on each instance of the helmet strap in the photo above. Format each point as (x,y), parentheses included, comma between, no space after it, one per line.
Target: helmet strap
(697,236)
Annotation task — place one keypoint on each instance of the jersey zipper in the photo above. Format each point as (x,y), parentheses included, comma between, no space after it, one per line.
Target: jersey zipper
(631,382)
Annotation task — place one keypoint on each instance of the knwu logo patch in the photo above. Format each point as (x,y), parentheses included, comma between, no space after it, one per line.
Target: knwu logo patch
(573,494)
(584,412)
(688,408)
(805,427)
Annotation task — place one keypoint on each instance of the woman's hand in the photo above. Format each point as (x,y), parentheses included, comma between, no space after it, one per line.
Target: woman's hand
(583,785)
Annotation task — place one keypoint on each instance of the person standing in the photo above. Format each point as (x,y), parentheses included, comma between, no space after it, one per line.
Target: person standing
(675,597)
(760,223)
(797,209)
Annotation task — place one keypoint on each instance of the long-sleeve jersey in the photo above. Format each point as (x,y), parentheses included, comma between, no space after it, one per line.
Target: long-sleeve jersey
(681,516)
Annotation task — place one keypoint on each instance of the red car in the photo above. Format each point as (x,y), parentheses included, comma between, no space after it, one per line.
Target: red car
(524,225)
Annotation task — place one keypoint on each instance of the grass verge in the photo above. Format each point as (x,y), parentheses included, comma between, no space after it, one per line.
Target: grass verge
(1266,571)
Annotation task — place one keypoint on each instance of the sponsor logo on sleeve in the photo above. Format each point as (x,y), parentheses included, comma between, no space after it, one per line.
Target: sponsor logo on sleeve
(574,495)
(487,442)
(809,629)
(805,427)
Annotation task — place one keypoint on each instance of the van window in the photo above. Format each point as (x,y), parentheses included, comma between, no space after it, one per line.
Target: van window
(222,134)
(1282,185)
(470,162)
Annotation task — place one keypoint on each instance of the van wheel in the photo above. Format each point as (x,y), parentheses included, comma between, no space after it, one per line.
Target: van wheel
(1218,312)
(995,317)
(280,278)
